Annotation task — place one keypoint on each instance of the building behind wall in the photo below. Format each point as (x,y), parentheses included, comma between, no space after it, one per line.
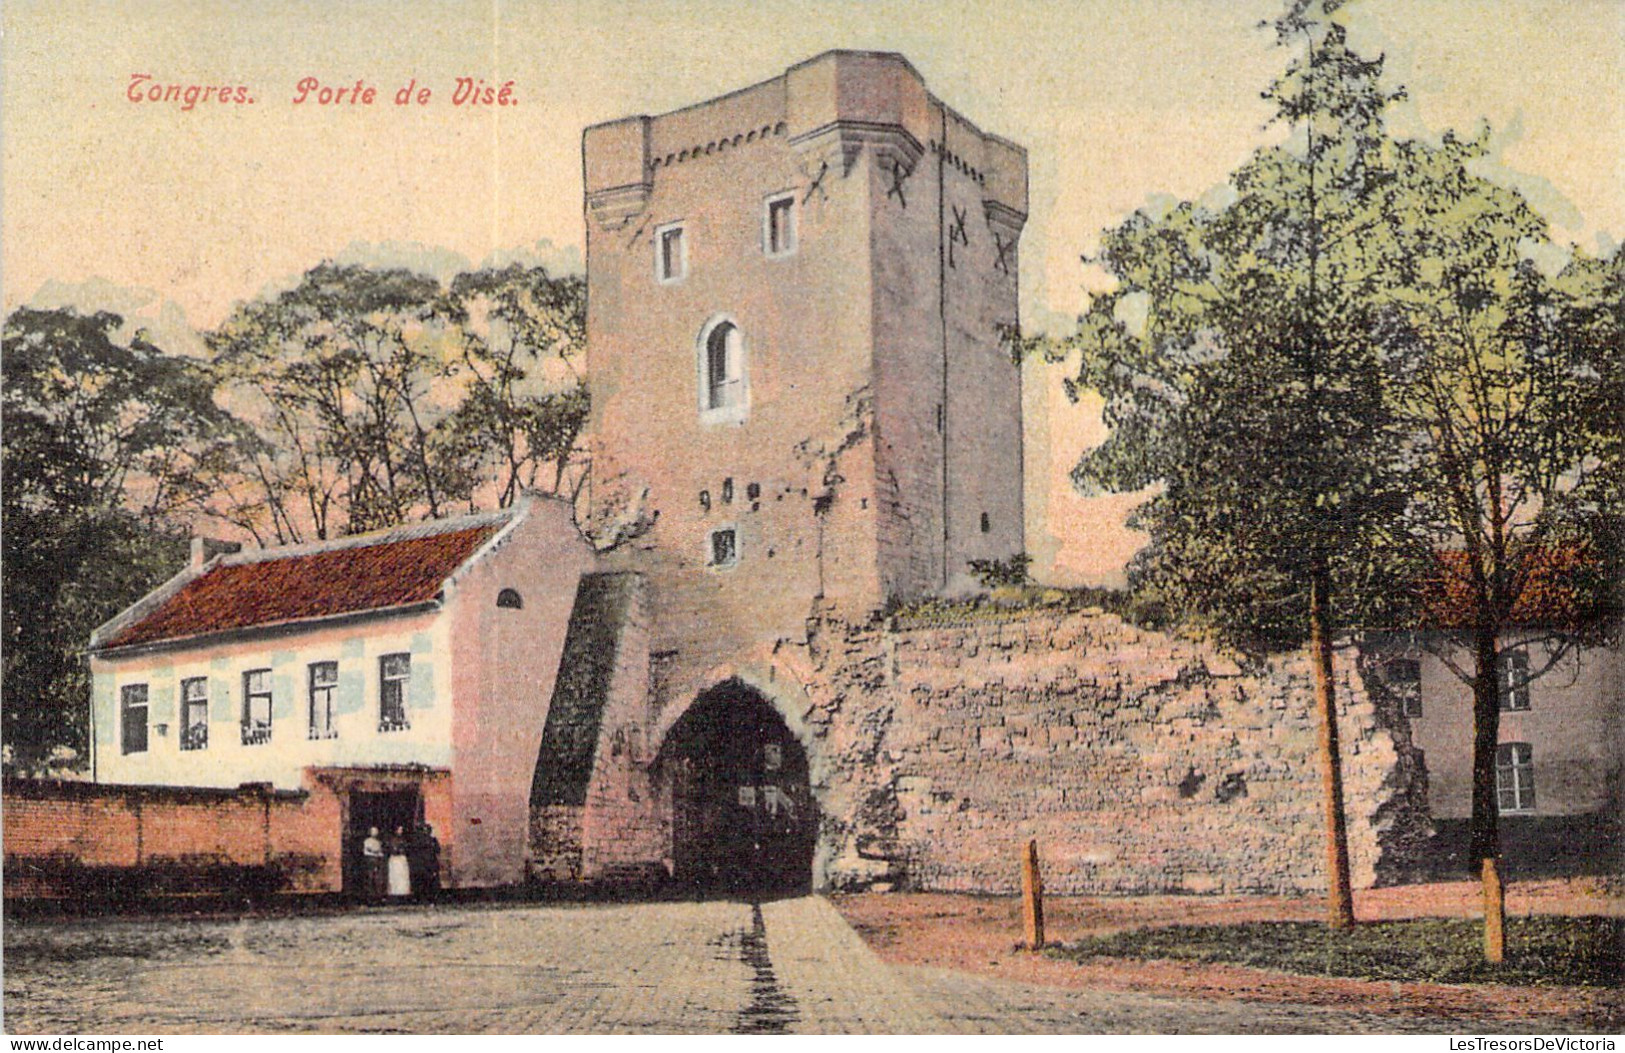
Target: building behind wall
(796,300)
(1560,760)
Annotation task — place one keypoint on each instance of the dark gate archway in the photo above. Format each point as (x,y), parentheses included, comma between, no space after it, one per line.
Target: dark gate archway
(743,815)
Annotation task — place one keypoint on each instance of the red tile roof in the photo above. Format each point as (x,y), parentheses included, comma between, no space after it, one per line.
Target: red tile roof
(1554,595)
(344,578)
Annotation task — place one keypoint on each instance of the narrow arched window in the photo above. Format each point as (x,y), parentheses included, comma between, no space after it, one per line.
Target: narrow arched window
(723,390)
(510,599)
(722,355)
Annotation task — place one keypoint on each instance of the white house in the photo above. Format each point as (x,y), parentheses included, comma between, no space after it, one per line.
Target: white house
(408,672)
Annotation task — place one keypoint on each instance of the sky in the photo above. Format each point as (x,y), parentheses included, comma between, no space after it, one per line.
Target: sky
(171,214)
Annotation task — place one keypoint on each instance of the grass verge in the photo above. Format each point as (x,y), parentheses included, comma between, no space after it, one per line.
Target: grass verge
(1546,950)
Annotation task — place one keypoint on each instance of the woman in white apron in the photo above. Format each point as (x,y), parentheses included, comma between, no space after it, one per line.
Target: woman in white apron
(400,870)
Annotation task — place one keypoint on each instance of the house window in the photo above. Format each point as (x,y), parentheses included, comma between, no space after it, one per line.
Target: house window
(722,547)
(987,524)
(256,707)
(133,717)
(394,673)
(324,686)
(1403,671)
(1404,675)
(671,253)
(510,600)
(1515,680)
(1514,777)
(195,713)
(779,225)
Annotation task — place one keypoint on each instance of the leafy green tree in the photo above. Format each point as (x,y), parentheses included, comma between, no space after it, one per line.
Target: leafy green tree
(343,379)
(1588,329)
(106,443)
(522,330)
(1509,387)
(1351,378)
(376,397)
(1240,371)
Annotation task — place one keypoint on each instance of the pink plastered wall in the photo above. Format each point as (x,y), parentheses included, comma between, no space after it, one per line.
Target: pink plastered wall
(504,663)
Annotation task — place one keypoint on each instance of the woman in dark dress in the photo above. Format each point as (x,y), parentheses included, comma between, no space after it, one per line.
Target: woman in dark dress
(374,880)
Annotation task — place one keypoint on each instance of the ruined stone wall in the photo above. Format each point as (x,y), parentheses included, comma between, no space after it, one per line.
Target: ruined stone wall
(1141,762)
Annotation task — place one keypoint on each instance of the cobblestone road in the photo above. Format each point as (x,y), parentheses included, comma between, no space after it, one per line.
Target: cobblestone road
(786,966)
(663,967)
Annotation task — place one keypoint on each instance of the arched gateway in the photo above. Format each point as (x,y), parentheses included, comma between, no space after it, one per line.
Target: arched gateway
(743,814)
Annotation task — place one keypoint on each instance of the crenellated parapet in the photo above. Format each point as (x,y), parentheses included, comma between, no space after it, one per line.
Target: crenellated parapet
(832,110)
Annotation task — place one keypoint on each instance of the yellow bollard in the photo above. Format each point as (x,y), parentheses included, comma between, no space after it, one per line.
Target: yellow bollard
(1032,897)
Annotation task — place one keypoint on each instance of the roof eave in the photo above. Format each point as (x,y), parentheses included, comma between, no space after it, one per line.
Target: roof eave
(270,629)
(146,604)
(520,511)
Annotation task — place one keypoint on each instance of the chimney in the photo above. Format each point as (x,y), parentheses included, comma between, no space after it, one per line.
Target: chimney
(206,548)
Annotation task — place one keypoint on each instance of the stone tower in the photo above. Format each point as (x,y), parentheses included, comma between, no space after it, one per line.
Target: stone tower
(796,295)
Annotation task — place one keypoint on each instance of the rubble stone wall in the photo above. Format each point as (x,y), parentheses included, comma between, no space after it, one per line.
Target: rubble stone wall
(1141,762)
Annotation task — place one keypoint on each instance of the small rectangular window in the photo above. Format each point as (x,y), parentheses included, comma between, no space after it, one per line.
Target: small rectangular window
(1515,680)
(779,225)
(195,713)
(671,253)
(724,548)
(133,718)
(394,674)
(1514,777)
(324,683)
(1404,676)
(256,707)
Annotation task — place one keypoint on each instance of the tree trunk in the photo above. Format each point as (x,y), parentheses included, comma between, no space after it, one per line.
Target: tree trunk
(1484,844)
(1339,898)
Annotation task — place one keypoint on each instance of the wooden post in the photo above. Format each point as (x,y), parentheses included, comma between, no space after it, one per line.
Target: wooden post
(1495,914)
(1032,896)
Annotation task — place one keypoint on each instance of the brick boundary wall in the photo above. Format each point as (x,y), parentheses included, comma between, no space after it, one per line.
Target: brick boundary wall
(71,840)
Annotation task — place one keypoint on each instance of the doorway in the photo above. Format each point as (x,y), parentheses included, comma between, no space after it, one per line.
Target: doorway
(744,820)
(384,809)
